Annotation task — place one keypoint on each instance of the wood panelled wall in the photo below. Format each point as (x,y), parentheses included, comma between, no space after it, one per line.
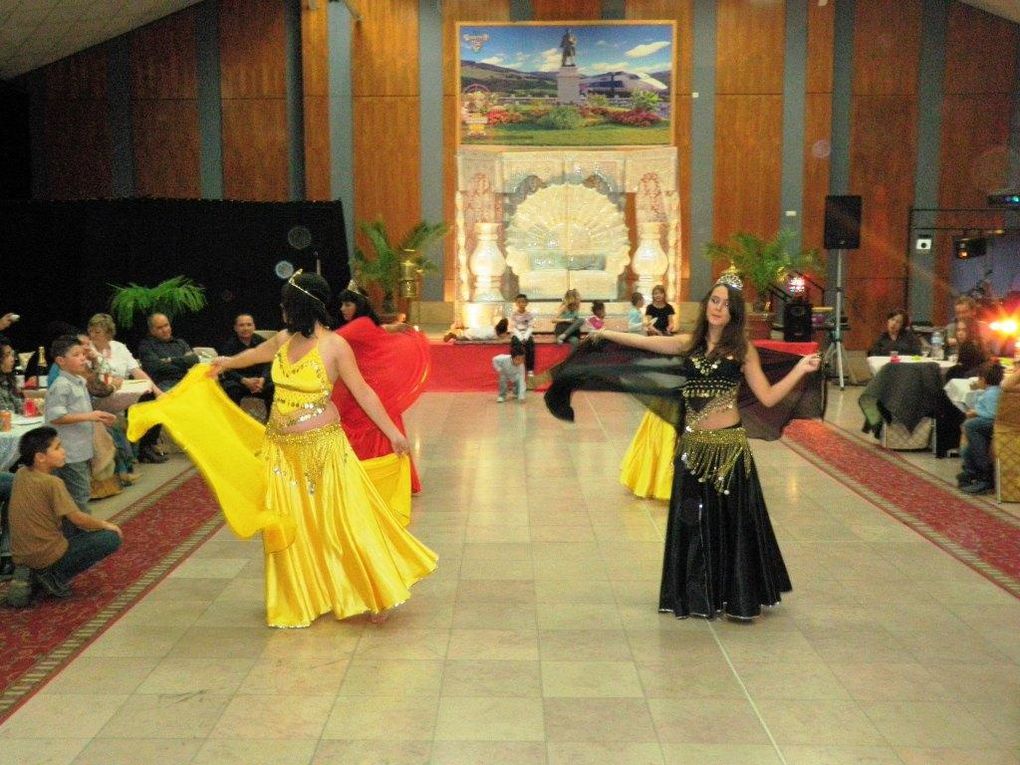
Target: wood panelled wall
(76,127)
(387,147)
(976,108)
(883,155)
(980,75)
(164,125)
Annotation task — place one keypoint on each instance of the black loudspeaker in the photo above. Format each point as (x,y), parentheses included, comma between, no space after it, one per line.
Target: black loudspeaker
(842,222)
(797,323)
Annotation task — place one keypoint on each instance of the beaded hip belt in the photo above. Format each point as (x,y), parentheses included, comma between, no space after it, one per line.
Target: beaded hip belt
(710,455)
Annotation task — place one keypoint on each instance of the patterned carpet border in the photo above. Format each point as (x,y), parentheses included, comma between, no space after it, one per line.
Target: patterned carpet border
(976,532)
(161,530)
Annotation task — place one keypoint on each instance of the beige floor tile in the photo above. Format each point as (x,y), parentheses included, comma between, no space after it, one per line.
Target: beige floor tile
(497,569)
(52,751)
(490,552)
(963,646)
(497,533)
(383,643)
(707,721)
(273,717)
(577,616)
(839,755)
(586,720)
(584,645)
(131,751)
(221,642)
(513,616)
(488,752)
(791,680)
(490,719)
(574,591)
(137,641)
(929,756)
(928,723)
(891,682)
(604,753)
(695,676)
(100,674)
(593,679)
(175,613)
(721,754)
(675,640)
(46,716)
(390,718)
(1002,719)
(172,715)
(182,676)
(188,589)
(396,677)
(821,722)
(255,751)
(333,752)
(580,532)
(325,639)
(492,678)
(493,644)
(294,675)
(210,568)
(495,591)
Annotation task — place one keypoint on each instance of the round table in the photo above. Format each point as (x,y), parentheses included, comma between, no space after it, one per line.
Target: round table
(9,438)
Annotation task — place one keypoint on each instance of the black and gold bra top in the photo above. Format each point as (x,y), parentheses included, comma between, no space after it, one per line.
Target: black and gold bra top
(712,386)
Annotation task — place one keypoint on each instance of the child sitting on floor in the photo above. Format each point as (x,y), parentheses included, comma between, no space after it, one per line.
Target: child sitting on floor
(510,370)
(52,540)
(597,320)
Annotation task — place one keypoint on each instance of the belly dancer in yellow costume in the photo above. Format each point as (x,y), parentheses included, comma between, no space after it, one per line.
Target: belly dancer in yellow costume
(332,542)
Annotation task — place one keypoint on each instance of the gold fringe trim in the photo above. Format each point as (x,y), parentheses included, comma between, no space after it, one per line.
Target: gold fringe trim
(711,455)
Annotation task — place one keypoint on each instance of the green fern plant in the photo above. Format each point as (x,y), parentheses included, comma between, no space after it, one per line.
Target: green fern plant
(171,297)
(382,268)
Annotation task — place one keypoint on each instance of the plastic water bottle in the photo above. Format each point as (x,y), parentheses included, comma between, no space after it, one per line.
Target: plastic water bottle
(937,351)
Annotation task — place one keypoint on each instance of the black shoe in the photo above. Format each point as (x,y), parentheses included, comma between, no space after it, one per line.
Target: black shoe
(53,584)
(152,457)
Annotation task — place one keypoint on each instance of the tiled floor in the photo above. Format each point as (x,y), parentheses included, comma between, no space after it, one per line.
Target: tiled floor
(538,640)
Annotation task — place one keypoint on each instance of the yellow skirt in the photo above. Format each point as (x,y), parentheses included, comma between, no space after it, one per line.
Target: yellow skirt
(350,553)
(647,467)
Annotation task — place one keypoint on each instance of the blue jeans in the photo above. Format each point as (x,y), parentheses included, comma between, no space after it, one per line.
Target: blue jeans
(517,381)
(77,476)
(85,550)
(977,462)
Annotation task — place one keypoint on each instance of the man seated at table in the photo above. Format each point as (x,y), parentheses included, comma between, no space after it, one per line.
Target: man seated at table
(166,359)
(965,312)
(897,337)
(253,381)
(977,474)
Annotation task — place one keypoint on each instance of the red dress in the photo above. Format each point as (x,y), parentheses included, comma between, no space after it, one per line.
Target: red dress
(395,365)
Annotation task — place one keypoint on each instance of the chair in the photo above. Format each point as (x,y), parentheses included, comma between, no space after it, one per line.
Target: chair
(1006,447)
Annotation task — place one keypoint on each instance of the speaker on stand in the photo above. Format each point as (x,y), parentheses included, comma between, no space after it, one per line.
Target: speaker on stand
(797,325)
(842,233)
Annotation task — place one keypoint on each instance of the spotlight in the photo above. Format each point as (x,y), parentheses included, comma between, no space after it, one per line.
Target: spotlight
(970,247)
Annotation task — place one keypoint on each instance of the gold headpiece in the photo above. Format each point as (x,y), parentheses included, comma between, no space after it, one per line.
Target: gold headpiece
(292,281)
(352,286)
(731,278)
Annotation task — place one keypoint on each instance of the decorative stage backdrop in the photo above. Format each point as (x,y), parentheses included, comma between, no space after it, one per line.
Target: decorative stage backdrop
(60,258)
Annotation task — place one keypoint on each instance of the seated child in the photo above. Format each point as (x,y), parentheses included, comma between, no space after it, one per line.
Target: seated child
(52,540)
(510,370)
(568,318)
(636,316)
(524,321)
(597,320)
(977,474)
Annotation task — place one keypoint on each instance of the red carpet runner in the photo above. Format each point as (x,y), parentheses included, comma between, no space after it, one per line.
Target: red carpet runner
(467,367)
(160,530)
(973,530)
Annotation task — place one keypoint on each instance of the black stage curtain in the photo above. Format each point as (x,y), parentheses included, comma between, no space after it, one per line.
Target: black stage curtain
(59,258)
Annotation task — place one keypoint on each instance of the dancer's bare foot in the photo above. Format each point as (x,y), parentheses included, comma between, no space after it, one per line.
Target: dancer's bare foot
(379,618)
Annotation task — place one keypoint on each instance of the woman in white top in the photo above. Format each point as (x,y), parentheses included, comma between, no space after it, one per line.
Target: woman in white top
(115,356)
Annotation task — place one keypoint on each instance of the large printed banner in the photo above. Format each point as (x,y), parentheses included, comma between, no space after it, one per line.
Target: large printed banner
(567,83)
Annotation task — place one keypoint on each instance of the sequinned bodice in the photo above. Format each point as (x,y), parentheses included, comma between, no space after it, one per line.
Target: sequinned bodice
(302,388)
(711,386)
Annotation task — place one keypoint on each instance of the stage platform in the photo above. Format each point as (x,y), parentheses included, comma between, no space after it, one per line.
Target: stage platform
(462,367)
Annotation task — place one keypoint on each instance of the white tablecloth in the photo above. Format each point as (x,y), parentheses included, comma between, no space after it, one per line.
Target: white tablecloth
(128,394)
(9,438)
(960,392)
(877,362)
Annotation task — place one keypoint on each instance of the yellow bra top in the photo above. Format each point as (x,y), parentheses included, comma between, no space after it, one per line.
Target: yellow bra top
(302,388)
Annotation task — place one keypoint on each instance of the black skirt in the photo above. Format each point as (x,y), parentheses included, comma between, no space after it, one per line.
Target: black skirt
(721,553)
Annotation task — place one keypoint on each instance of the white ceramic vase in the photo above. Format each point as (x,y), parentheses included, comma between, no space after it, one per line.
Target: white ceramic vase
(649,261)
(487,263)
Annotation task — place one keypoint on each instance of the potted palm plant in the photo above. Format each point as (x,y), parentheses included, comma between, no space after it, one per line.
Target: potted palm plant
(382,269)
(763,263)
(171,297)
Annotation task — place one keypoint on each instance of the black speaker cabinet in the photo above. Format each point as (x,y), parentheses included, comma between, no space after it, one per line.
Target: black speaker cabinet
(842,222)
(797,323)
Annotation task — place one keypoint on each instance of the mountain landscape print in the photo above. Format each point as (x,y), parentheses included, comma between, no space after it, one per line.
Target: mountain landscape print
(566,83)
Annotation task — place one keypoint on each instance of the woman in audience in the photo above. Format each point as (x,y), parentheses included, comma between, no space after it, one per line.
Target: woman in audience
(10,397)
(114,357)
(395,365)
(897,337)
(970,357)
(721,554)
(332,543)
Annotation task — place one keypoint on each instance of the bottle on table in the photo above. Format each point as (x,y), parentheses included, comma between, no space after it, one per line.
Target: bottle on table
(937,343)
(42,372)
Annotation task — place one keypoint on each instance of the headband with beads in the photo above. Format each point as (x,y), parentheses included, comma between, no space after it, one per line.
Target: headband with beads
(292,281)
